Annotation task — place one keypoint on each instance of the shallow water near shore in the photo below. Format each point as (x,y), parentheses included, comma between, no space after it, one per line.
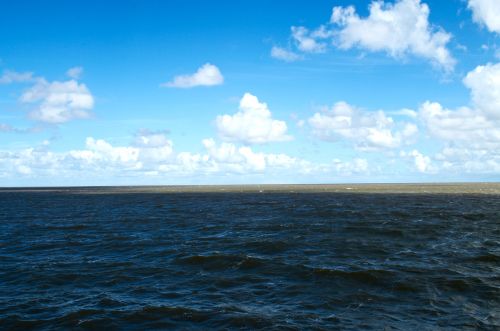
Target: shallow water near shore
(97,258)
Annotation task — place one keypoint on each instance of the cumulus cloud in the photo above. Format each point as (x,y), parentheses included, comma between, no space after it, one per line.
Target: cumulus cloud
(284,54)
(486,12)
(421,162)
(100,155)
(242,159)
(148,151)
(152,154)
(367,130)
(252,124)
(308,41)
(58,102)
(484,83)
(398,29)
(55,102)
(154,147)
(207,75)
(462,160)
(471,135)
(462,125)
(479,125)
(101,151)
(229,154)
(407,112)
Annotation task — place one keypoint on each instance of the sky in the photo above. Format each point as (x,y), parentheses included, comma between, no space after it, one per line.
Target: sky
(242,92)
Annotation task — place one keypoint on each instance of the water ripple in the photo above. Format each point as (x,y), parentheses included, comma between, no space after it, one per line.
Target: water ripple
(273,261)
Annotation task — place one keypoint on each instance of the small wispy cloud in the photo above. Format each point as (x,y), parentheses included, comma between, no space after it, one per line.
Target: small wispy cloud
(10,129)
(75,72)
(284,54)
(10,77)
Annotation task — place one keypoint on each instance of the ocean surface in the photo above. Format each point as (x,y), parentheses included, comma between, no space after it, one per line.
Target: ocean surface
(284,261)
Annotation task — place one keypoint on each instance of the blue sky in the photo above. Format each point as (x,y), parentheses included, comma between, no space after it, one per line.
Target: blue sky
(213,92)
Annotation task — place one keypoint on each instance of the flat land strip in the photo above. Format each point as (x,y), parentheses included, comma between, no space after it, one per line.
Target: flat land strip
(425,188)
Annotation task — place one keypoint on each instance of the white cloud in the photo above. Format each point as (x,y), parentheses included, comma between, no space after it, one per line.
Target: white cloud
(101,150)
(471,135)
(29,161)
(463,124)
(471,161)
(398,29)
(152,155)
(154,147)
(24,170)
(9,77)
(478,126)
(252,124)
(407,112)
(284,54)
(367,130)
(147,138)
(230,158)
(471,140)
(55,102)
(307,41)
(75,72)
(207,75)
(484,83)
(58,102)
(356,166)
(148,152)
(240,159)
(486,12)
(421,162)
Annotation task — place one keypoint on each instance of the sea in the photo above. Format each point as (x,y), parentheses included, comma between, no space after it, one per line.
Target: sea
(81,259)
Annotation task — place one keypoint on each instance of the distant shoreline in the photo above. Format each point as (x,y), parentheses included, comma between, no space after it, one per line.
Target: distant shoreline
(413,188)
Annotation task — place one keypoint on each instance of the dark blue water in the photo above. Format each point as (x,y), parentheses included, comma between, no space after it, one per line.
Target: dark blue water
(249,261)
